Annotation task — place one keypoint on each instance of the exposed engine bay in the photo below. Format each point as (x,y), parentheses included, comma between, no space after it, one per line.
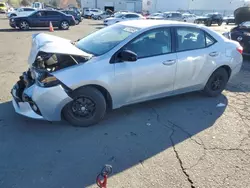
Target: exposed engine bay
(53,62)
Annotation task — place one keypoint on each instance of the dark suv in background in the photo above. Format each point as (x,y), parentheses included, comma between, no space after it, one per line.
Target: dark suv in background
(77,16)
(209,19)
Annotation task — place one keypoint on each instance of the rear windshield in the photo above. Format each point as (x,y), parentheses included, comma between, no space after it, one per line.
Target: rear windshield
(2,5)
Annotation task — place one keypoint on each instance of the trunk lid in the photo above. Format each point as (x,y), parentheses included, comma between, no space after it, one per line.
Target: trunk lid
(52,44)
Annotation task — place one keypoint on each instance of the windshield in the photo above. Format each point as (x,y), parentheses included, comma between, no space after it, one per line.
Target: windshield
(102,41)
(118,15)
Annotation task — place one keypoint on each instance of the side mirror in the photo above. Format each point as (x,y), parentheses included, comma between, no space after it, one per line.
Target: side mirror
(127,55)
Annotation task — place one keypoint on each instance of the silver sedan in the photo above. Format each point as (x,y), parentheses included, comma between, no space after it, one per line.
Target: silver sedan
(122,64)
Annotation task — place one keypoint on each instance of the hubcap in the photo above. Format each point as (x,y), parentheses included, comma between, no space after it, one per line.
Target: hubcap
(64,25)
(24,25)
(83,107)
(217,83)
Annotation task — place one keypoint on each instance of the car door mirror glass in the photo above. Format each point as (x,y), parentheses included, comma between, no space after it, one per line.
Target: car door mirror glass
(127,55)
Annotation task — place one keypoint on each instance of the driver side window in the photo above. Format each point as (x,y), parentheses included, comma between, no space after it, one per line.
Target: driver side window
(151,43)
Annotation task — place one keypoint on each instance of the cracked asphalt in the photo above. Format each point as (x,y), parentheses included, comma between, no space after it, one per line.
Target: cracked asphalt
(182,141)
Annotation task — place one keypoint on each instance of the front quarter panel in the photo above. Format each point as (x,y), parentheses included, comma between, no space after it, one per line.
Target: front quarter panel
(96,71)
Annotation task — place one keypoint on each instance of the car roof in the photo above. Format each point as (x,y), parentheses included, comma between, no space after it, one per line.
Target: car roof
(154,23)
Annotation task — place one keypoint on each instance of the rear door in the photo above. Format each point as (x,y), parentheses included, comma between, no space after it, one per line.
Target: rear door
(54,17)
(196,53)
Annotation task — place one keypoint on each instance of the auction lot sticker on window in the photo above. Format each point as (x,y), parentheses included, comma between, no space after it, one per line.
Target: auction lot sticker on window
(130,29)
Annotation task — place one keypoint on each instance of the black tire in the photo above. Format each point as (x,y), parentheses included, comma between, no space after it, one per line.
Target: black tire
(24,25)
(208,23)
(210,89)
(220,23)
(227,23)
(64,25)
(91,94)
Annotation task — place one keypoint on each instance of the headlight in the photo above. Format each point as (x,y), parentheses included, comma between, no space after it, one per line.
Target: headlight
(47,80)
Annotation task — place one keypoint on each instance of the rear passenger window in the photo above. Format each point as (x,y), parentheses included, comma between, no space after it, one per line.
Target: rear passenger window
(209,40)
(190,39)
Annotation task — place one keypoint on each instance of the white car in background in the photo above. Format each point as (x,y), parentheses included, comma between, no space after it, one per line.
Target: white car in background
(123,17)
(92,12)
(156,16)
(22,11)
(190,18)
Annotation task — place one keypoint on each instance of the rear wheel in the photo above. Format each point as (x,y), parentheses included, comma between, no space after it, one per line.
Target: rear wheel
(64,25)
(227,22)
(99,17)
(87,108)
(220,23)
(24,25)
(216,83)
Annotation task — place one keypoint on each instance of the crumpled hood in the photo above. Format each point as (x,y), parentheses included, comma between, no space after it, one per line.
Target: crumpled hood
(52,44)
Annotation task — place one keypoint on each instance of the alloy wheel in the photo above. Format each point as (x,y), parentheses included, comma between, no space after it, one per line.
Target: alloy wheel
(65,25)
(24,25)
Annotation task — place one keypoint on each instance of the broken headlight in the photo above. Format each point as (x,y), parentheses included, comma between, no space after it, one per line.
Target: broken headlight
(45,79)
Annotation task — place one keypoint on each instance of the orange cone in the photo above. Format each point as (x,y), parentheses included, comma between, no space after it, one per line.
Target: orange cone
(51,29)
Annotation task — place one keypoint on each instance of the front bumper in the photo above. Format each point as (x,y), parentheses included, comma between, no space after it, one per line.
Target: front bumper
(48,102)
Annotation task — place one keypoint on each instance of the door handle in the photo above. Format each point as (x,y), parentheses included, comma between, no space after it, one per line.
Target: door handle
(169,62)
(214,54)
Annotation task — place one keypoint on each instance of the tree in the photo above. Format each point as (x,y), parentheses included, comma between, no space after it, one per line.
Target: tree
(54,3)
(25,3)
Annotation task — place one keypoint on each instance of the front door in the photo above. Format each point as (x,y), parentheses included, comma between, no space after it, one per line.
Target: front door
(53,17)
(153,74)
(38,19)
(196,54)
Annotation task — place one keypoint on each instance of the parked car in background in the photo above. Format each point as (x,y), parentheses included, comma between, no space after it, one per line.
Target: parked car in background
(77,16)
(155,16)
(209,19)
(91,12)
(123,17)
(22,11)
(175,16)
(190,18)
(123,64)
(3,7)
(102,16)
(42,18)
(229,19)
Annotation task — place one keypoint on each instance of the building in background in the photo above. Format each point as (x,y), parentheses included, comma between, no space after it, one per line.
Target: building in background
(114,5)
(196,6)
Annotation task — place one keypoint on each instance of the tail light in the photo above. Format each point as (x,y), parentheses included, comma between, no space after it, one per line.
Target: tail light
(240,49)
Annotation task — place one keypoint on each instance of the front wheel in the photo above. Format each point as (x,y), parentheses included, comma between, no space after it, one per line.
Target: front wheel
(64,25)
(24,25)
(99,17)
(77,22)
(87,108)
(216,83)
(220,23)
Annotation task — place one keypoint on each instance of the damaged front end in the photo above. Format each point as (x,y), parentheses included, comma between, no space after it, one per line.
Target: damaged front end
(38,93)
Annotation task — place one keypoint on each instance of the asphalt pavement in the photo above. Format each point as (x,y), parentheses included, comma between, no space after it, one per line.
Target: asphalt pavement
(182,141)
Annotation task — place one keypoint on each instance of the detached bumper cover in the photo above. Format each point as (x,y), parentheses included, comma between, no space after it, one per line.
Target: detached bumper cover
(50,102)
